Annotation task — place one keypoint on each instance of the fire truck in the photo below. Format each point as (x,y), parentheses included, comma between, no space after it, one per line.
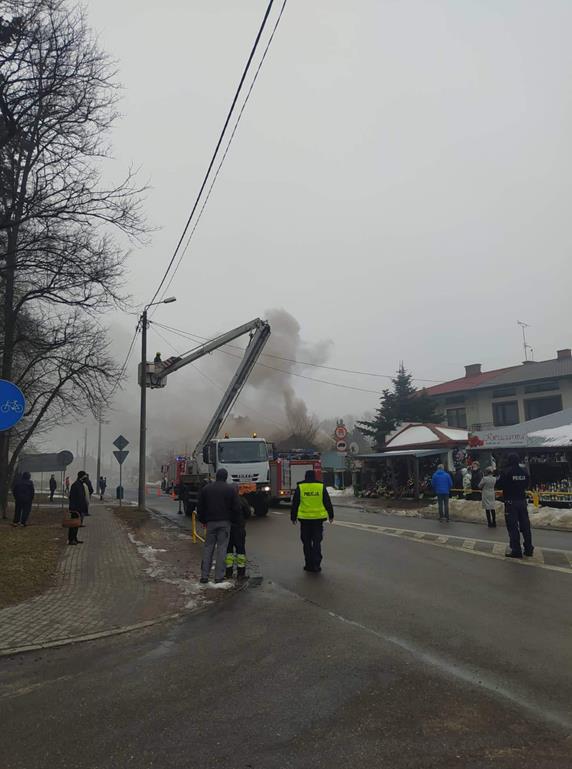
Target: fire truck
(245,458)
(286,473)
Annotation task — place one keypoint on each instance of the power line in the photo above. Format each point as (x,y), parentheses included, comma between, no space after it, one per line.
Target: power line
(218,145)
(124,366)
(299,362)
(220,387)
(206,200)
(293,373)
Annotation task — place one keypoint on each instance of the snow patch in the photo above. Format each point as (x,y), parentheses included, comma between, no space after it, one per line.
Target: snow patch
(349,492)
(220,585)
(158,570)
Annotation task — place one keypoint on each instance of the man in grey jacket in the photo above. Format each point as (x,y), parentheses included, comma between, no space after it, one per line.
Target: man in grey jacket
(217,506)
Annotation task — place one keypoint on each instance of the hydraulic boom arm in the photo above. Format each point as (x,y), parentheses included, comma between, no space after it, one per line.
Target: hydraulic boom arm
(259,333)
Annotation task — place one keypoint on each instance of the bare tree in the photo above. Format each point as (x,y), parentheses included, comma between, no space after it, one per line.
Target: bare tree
(60,266)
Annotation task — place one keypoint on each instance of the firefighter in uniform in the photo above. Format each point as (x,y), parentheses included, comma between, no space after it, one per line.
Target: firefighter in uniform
(311,505)
(514,481)
(236,549)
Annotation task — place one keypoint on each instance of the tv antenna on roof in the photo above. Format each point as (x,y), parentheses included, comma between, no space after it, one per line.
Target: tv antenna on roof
(525,344)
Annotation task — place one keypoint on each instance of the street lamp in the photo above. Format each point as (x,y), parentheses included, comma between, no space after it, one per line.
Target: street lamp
(143,415)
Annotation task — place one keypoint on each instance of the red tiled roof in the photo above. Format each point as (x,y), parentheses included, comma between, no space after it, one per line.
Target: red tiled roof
(466,382)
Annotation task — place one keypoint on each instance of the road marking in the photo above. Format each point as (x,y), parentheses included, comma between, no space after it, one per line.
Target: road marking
(467,545)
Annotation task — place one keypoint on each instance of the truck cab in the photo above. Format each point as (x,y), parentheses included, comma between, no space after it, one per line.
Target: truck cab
(246,461)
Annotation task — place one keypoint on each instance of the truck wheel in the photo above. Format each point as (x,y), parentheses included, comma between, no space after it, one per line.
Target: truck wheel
(261,507)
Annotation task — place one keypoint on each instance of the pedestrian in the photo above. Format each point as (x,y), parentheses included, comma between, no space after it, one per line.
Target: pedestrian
(514,481)
(67,485)
(53,487)
(311,505)
(466,482)
(89,484)
(102,484)
(458,481)
(236,548)
(476,478)
(488,497)
(442,484)
(77,505)
(217,506)
(23,491)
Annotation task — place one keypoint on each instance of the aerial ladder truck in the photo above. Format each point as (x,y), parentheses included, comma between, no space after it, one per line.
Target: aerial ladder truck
(245,459)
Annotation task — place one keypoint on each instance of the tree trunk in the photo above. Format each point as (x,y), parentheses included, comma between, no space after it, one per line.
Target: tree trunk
(7,361)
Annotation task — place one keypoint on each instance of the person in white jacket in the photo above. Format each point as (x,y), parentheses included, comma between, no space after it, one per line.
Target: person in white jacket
(488,497)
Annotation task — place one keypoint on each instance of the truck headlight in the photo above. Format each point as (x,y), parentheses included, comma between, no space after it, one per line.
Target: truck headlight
(266,488)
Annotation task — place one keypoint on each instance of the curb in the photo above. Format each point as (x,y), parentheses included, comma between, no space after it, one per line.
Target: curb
(13,650)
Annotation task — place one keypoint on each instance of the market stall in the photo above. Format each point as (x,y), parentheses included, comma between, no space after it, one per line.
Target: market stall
(410,457)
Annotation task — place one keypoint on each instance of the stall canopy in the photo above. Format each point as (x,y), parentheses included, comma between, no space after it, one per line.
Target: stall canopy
(407,453)
(417,437)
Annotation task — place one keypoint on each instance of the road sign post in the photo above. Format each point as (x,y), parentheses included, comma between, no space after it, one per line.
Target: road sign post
(120,455)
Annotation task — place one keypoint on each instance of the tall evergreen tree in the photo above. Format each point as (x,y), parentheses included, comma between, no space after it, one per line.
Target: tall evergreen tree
(405,403)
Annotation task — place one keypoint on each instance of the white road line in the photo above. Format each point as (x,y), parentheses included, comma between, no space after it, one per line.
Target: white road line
(499,548)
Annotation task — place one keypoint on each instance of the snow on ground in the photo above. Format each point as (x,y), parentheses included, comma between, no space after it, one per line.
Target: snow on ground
(471,510)
(158,570)
(349,492)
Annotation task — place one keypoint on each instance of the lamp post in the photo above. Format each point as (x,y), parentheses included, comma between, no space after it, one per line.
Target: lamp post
(143,413)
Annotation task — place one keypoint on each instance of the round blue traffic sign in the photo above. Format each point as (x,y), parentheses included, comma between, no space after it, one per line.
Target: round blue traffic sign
(12,404)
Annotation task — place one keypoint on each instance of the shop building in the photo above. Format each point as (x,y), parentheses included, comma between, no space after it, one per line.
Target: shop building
(483,400)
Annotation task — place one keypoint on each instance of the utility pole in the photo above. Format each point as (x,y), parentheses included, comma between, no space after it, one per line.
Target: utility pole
(143,411)
(98,471)
(84,447)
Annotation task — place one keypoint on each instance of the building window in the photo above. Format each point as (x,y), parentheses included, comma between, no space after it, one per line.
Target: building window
(505,413)
(457,418)
(540,407)
(505,392)
(542,387)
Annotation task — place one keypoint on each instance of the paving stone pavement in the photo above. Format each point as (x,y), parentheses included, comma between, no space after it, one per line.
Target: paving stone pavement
(101,585)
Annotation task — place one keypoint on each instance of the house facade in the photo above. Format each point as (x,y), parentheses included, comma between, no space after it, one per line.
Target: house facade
(482,400)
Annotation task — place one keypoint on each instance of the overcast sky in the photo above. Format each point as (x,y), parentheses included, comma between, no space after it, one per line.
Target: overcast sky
(399,184)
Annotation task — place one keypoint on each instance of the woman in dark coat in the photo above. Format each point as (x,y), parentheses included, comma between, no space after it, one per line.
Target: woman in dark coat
(78,505)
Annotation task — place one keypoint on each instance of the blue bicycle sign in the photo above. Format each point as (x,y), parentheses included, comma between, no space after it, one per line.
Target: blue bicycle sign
(12,404)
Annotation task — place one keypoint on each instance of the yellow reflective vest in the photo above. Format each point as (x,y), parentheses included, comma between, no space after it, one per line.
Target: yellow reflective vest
(311,505)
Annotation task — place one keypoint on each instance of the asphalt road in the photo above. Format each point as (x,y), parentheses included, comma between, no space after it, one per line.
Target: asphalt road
(401,654)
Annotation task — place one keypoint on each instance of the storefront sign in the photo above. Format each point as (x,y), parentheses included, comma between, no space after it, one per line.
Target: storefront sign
(492,439)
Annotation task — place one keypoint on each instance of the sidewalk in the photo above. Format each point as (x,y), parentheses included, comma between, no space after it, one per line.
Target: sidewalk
(103,586)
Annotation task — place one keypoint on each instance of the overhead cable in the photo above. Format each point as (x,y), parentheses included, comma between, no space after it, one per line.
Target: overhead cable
(215,177)
(218,145)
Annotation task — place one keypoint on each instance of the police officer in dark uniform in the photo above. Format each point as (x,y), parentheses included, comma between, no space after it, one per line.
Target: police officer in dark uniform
(514,482)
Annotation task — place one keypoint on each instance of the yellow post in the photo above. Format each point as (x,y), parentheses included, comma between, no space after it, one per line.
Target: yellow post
(194,529)
(536,499)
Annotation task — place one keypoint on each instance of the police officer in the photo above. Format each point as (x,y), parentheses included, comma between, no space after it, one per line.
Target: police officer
(514,481)
(311,505)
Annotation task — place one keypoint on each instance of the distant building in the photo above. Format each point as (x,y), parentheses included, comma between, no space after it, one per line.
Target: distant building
(482,400)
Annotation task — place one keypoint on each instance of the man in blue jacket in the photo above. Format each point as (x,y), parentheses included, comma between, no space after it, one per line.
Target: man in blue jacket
(442,483)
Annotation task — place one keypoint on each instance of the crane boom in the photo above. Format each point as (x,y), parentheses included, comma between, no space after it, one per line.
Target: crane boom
(255,346)
(259,332)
